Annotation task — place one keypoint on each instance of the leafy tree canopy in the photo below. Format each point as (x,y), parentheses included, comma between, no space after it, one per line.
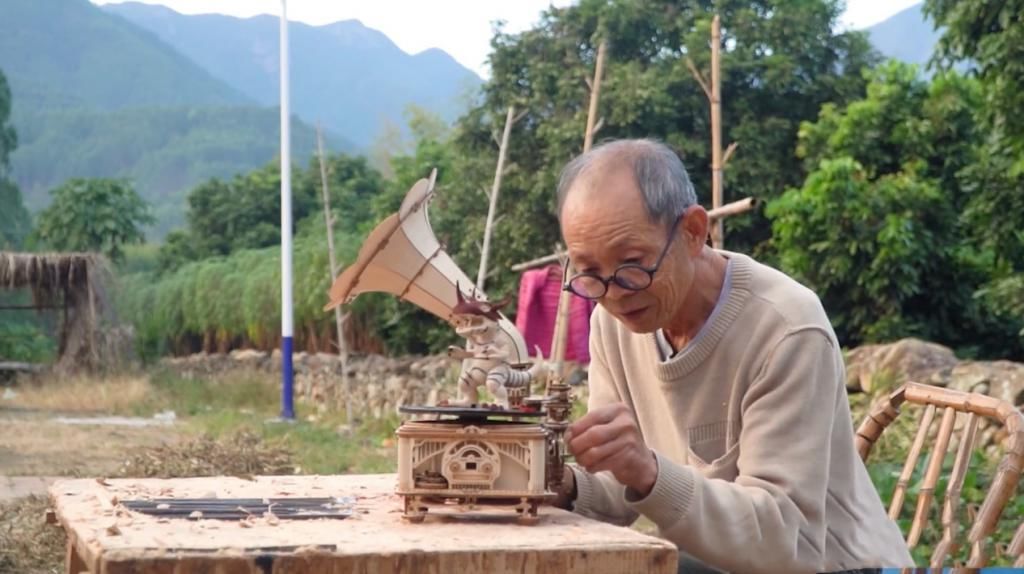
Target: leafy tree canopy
(781,61)
(100,215)
(225,216)
(878,228)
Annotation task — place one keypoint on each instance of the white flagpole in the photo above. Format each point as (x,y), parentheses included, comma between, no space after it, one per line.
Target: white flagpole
(287,327)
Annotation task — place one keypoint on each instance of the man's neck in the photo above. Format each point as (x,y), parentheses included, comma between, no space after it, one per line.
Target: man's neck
(708,278)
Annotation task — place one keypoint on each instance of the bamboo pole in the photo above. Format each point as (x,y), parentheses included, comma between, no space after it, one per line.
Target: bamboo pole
(1017,547)
(931,477)
(481,274)
(899,494)
(339,320)
(595,95)
(565,300)
(717,230)
(951,505)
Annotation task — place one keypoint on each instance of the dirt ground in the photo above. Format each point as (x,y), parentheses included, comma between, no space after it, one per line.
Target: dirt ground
(34,442)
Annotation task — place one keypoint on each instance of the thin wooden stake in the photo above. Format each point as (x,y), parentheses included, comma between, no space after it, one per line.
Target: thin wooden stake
(595,96)
(339,320)
(481,274)
(717,229)
(565,300)
(699,77)
(728,153)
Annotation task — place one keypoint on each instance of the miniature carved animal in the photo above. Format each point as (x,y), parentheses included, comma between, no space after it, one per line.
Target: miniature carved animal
(493,346)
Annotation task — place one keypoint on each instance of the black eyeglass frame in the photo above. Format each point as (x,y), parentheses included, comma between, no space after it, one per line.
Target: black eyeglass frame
(606,281)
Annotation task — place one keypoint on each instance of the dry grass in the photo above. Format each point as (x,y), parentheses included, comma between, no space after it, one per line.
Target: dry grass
(30,546)
(242,454)
(27,544)
(33,445)
(115,394)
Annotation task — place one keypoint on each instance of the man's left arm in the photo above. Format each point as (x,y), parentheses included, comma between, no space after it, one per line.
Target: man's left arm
(772,517)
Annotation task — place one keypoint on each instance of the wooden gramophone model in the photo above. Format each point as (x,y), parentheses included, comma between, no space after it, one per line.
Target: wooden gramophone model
(465,454)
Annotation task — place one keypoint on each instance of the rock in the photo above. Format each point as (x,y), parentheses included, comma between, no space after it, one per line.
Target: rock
(902,361)
(1000,379)
(248,355)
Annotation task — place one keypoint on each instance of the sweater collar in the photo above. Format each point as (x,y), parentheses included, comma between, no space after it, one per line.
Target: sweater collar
(712,332)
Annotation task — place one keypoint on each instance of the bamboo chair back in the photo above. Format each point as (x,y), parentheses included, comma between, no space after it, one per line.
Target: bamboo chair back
(950,404)
(1016,548)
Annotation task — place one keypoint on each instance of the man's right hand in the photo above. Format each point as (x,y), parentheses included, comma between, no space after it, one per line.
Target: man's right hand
(567,493)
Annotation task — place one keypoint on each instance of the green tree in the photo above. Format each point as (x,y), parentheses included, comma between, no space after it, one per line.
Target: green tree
(877,229)
(781,61)
(225,216)
(94,215)
(902,119)
(868,247)
(990,37)
(14,218)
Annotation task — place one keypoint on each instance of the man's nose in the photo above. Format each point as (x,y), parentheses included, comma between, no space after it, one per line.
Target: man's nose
(616,292)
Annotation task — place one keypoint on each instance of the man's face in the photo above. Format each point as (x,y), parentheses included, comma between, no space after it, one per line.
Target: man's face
(605,225)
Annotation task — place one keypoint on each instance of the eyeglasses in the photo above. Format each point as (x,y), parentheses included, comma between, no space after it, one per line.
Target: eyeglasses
(630,276)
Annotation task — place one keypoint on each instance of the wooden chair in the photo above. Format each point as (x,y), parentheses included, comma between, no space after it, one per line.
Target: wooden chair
(1017,547)
(951,404)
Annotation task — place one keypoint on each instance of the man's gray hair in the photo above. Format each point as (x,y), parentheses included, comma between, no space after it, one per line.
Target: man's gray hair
(660,175)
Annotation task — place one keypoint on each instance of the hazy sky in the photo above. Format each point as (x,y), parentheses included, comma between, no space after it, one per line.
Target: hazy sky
(460,27)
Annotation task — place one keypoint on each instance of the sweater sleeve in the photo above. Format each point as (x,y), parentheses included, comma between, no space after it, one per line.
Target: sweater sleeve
(600,496)
(772,517)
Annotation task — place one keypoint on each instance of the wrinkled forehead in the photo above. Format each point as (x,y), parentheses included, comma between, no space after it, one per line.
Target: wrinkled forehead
(608,190)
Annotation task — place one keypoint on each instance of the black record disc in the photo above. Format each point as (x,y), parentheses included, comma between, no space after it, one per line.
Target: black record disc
(468,412)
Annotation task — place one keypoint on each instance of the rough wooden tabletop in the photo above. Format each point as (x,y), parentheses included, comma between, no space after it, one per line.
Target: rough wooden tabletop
(106,538)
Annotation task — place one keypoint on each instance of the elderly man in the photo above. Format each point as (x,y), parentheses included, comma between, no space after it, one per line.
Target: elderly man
(718,407)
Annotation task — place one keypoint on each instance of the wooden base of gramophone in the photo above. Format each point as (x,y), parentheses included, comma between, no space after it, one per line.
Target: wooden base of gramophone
(472,458)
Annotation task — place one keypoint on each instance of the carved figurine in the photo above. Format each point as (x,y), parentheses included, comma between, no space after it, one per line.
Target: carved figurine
(489,349)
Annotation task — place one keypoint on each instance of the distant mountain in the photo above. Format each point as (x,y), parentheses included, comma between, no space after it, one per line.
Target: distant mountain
(352,78)
(907,36)
(68,53)
(96,96)
(164,151)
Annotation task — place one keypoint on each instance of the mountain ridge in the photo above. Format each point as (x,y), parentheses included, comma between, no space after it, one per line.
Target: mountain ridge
(908,36)
(351,77)
(53,51)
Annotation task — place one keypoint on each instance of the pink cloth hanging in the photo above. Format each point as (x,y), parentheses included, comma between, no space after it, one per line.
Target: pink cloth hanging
(539,291)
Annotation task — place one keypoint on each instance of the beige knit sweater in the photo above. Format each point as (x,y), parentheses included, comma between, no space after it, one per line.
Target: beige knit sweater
(751,427)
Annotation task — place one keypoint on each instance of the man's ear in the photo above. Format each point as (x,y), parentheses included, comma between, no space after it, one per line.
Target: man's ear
(695,227)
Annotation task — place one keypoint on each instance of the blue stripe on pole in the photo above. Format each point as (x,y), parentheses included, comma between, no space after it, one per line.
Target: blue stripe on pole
(287,408)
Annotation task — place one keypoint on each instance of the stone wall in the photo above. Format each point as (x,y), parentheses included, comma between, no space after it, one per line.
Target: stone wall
(379,384)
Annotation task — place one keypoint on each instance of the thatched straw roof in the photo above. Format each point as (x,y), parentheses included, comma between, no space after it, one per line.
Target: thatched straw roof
(73,282)
(50,275)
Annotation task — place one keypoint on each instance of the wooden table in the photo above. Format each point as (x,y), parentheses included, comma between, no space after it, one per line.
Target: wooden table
(106,538)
